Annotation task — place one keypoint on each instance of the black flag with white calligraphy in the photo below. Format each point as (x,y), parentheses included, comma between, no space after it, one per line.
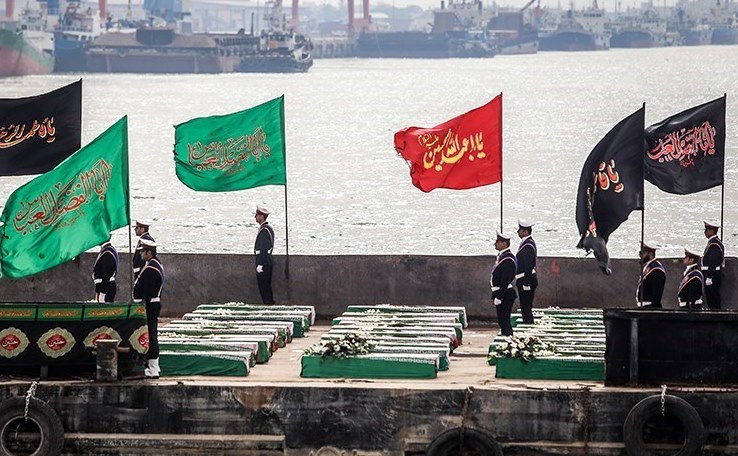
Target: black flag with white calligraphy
(686,152)
(611,185)
(37,133)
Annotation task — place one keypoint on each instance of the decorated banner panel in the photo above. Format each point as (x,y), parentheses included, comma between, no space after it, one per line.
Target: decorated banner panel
(74,207)
(237,151)
(464,152)
(37,133)
(686,152)
(611,185)
(61,334)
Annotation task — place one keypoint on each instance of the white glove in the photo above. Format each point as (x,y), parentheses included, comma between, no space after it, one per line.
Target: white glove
(259,268)
(708,282)
(497,301)
(526,288)
(101,297)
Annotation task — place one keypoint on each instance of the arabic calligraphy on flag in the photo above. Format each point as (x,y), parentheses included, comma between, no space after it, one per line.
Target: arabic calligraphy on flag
(237,151)
(37,133)
(73,207)
(464,152)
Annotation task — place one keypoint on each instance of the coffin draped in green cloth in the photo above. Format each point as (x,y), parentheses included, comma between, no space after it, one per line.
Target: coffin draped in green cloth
(365,367)
(226,364)
(195,347)
(555,368)
(263,352)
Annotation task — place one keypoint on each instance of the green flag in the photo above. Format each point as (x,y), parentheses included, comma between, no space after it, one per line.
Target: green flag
(71,208)
(232,152)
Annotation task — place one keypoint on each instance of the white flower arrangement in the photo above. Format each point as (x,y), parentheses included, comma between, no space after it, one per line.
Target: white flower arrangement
(526,347)
(347,345)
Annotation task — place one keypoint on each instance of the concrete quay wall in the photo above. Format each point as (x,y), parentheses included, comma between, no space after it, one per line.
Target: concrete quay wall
(385,420)
(330,283)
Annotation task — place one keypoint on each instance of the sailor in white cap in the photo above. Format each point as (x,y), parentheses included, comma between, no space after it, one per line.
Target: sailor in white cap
(104,271)
(147,289)
(653,278)
(525,278)
(501,281)
(142,231)
(690,289)
(712,264)
(263,254)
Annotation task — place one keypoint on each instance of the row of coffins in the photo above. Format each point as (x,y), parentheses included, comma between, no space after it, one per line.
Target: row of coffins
(229,339)
(386,341)
(562,344)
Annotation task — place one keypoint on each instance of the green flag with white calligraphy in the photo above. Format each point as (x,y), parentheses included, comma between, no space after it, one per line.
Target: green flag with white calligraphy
(70,209)
(236,151)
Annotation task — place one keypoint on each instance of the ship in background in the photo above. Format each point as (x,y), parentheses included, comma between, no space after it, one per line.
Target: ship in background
(512,33)
(78,26)
(459,30)
(725,24)
(26,47)
(165,43)
(577,31)
(645,30)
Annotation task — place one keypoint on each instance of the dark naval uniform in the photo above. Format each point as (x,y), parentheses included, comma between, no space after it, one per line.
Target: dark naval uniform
(103,273)
(712,265)
(138,262)
(148,288)
(690,290)
(651,285)
(503,293)
(263,254)
(526,279)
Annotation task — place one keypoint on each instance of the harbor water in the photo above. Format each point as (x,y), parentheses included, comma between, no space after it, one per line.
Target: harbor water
(349,192)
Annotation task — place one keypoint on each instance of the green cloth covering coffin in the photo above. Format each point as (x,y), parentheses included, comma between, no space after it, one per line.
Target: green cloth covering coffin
(225,347)
(552,368)
(215,363)
(241,307)
(460,311)
(378,365)
(301,320)
(263,351)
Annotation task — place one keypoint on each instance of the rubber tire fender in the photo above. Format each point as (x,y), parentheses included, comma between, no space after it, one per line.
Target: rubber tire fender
(650,407)
(473,439)
(41,413)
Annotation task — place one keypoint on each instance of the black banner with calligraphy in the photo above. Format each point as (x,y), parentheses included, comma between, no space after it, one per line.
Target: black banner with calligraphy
(611,185)
(37,133)
(686,152)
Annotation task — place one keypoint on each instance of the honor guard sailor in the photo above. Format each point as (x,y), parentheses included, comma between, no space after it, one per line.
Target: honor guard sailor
(653,278)
(713,260)
(104,271)
(526,279)
(263,254)
(147,289)
(692,285)
(501,281)
(142,231)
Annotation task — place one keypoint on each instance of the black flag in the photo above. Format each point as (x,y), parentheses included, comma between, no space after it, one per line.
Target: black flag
(686,152)
(37,133)
(611,185)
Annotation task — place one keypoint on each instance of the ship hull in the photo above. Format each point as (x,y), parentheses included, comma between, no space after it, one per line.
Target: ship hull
(724,36)
(525,44)
(69,55)
(19,58)
(697,37)
(403,45)
(568,41)
(274,64)
(138,62)
(633,39)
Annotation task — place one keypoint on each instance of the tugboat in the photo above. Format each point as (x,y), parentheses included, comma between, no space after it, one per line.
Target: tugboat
(25,46)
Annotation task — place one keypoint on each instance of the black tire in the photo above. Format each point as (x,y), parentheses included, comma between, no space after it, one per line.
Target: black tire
(474,439)
(40,414)
(650,407)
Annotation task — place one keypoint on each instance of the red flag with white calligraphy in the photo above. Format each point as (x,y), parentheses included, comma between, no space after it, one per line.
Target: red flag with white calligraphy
(464,152)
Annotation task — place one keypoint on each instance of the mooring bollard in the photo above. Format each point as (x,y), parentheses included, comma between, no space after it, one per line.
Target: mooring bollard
(107,360)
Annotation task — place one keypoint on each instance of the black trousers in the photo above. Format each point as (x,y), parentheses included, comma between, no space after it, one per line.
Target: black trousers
(526,304)
(712,293)
(503,315)
(153,309)
(110,295)
(264,279)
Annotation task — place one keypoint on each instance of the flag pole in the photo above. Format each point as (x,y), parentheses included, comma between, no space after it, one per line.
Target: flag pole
(722,187)
(643,189)
(502,200)
(286,215)
(130,258)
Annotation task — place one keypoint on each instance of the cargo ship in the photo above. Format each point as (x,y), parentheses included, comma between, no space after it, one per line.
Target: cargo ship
(577,31)
(25,47)
(77,28)
(645,31)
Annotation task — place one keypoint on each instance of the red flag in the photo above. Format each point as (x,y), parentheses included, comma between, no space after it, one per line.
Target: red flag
(464,152)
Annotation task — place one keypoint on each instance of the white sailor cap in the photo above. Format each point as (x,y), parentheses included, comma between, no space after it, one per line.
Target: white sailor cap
(503,237)
(262,209)
(688,252)
(143,222)
(524,224)
(712,225)
(147,243)
(650,246)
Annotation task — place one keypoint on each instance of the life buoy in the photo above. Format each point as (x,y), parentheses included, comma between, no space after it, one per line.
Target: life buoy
(449,442)
(40,414)
(649,408)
